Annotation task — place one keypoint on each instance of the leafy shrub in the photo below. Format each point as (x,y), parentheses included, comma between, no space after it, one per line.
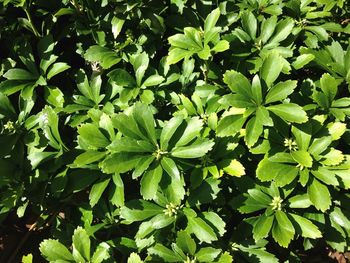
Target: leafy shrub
(177,131)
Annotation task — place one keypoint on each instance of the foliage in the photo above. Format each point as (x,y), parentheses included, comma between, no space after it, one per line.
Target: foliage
(177,131)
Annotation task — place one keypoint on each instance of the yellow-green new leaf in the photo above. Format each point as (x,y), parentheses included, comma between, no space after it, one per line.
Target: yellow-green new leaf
(234,168)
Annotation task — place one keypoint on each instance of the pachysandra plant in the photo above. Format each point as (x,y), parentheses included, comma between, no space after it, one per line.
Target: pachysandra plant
(175,131)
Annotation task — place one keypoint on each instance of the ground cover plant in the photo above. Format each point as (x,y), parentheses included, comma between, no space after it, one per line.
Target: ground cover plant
(174,131)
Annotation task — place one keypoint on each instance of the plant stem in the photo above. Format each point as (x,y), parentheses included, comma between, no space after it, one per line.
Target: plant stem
(35,31)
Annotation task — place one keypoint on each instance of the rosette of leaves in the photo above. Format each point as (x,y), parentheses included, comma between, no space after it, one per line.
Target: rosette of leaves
(256,104)
(310,158)
(314,18)
(276,215)
(130,87)
(185,250)
(333,58)
(25,80)
(257,41)
(325,97)
(262,7)
(202,42)
(89,101)
(82,248)
(159,218)
(138,148)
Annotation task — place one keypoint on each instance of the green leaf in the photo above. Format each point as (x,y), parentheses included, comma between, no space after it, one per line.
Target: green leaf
(282,230)
(267,28)
(117,25)
(53,250)
(303,60)
(183,42)
(302,134)
(254,129)
(118,196)
(192,131)
(262,227)
(143,115)
(302,157)
(340,218)
(127,144)
(185,242)
(256,90)
(27,259)
(134,258)
(9,87)
(326,176)
(93,136)
(153,80)
(97,191)
(280,91)
(57,68)
(142,165)
(88,157)
(81,243)
(122,78)
(225,258)
(215,221)
(211,19)
(179,3)
(37,158)
(283,30)
(329,86)
(204,53)
(177,54)
(260,254)
(263,115)
(282,174)
(48,121)
(165,253)
(271,68)
(221,46)
(299,201)
(201,229)
(19,74)
(101,253)
(188,105)
(170,167)
(233,168)
(319,195)
(249,24)
(150,181)
(84,86)
(195,150)
(54,96)
(139,210)
(238,83)
(308,229)
(6,107)
(319,145)
(289,112)
(168,131)
(207,254)
(120,162)
(230,125)
(127,126)
(105,56)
